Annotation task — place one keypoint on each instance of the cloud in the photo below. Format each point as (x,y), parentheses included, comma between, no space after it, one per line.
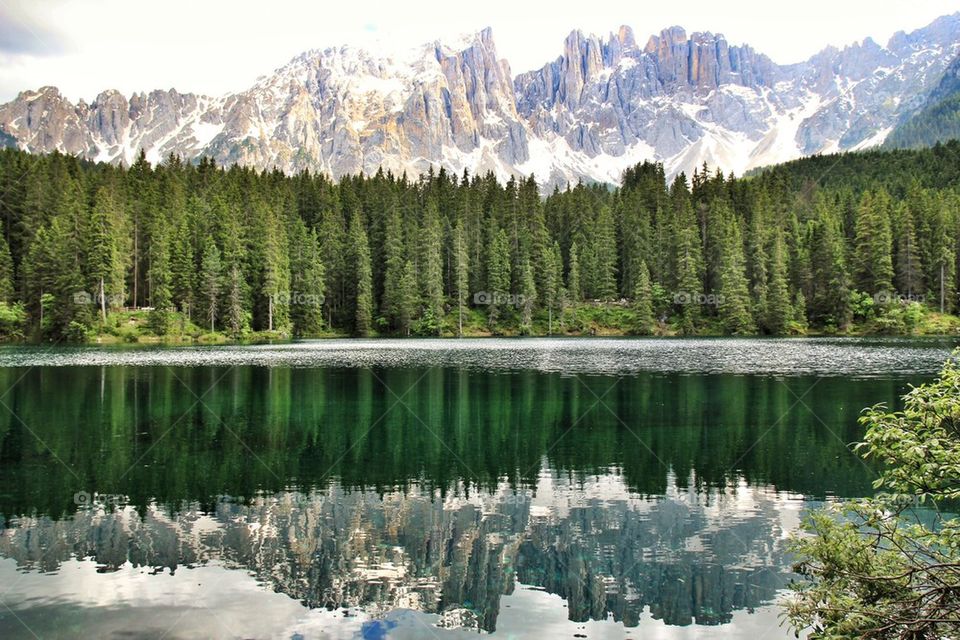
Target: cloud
(22,34)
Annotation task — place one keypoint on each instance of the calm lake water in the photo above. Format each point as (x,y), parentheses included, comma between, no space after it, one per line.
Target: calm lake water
(425,488)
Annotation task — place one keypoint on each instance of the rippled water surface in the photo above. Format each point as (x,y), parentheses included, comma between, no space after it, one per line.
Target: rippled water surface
(426,488)
(809,356)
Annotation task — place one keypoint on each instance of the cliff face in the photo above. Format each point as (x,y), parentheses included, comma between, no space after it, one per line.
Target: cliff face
(601,106)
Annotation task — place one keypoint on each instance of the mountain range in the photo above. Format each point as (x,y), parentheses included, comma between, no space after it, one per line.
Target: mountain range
(939,118)
(602,105)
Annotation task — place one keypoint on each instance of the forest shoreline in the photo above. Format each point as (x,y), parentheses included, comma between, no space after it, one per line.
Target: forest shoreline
(133,328)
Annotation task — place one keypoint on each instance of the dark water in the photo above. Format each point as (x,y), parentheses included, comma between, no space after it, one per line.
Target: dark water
(408,489)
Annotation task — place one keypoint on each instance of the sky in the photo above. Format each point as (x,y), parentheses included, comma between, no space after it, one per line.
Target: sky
(215,47)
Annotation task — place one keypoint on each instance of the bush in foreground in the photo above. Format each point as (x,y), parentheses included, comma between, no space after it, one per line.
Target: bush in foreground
(889,566)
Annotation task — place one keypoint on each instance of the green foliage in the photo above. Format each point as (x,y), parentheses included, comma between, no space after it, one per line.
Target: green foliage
(779,252)
(7,291)
(362,284)
(734,296)
(211,277)
(13,321)
(643,301)
(875,568)
(873,244)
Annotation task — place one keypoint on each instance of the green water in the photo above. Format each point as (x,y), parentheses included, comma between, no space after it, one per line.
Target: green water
(411,489)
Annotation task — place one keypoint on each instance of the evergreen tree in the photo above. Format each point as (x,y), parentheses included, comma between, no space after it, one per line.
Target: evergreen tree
(688,260)
(54,283)
(359,261)
(734,292)
(7,291)
(276,272)
(779,312)
(909,269)
(643,301)
(403,249)
(237,316)
(306,281)
(830,300)
(529,297)
(757,260)
(552,261)
(105,262)
(498,274)
(461,271)
(182,267)
(210,282)
(408,300)
(800,312)
(604,251)
(431,271)
(873,266)
(574,289)
(394,267)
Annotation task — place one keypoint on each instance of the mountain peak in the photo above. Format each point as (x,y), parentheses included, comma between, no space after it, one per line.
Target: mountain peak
(602,105)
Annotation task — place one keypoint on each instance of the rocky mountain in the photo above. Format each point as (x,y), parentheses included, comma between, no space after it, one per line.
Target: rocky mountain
(938,120)
(604,104)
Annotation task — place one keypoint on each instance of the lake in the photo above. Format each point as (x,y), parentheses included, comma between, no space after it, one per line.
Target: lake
(538,488)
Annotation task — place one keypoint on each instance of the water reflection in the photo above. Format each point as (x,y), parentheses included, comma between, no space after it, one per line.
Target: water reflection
(684,557)
(380,500)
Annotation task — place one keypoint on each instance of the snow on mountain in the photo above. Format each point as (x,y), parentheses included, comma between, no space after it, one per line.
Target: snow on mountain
(603,105)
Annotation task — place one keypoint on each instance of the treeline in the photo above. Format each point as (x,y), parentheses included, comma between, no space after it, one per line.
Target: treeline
(236,250)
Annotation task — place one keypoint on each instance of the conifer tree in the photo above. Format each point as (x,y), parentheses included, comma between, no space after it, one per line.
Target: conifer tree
(574,289)
(734,292)
(552,261)
(830,283)
(529,298)
(210,282)
(431,271)
(237,316)
(276,271)
(408,299)
(688,261)
(643,301)
(873,267)
(182,267)
(361,269)
(394,267)
(908,267)
(54,283)
(498,274)
(460,271)
(757,260)
(306,281)
(778,310)
(604,252)
(7,291)
(105,263)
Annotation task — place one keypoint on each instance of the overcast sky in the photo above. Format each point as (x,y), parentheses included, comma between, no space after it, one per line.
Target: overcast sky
(214,47)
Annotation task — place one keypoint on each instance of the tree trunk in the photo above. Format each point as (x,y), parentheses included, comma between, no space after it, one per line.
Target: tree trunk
(136,265)
(941,288)
(103,302)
